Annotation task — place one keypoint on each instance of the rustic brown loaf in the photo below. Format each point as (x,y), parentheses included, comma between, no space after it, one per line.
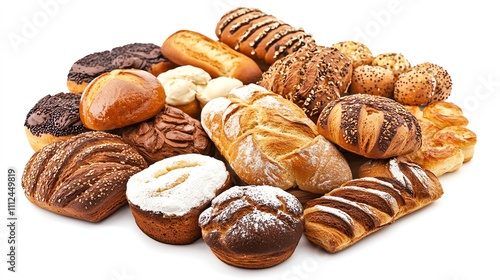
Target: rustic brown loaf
(260,36)
(310,77)
(269,140)
(171,132)
(83,177)
(386,191)
(186,47)
(370,126)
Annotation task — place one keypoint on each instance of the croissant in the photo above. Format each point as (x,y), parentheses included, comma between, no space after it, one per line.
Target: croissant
(267,139)
(388,190)
(83,177)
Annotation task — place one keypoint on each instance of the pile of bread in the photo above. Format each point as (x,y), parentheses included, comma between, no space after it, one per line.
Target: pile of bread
(250,141)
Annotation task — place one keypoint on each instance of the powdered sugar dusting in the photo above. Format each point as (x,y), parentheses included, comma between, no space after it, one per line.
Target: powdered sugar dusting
(212,108)
(176,185)
(399,176)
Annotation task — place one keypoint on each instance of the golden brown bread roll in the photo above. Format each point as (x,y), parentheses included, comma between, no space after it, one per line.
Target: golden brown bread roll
(268,140)
(423,84)
(395,62)
(358,52)
(120,98)
(260,36)
(253,226)
(171,132)
(167,198)
(310,77)
(83,177)
(374,80)
(186,47)
(388,190)
(370,126)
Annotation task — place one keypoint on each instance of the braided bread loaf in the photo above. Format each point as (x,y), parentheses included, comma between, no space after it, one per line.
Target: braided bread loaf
(83,177)
(388,190)
(267,139)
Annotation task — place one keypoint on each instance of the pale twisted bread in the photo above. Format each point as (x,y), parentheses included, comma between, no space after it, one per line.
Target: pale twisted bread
(260,36)
(387,190)
(83,177)
(269,140)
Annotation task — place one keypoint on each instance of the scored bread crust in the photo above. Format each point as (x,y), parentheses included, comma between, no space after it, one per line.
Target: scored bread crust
(267,139)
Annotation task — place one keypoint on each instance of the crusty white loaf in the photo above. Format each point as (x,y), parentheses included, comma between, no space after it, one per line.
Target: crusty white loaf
(269,140)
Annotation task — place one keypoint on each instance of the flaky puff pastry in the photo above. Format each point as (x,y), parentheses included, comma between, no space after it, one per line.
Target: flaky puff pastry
(446,141)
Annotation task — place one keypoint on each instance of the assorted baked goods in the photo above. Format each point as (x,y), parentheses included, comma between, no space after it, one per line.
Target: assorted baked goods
(53,118)
(187,47)
(370,126)
(143,56)
(260,36)
(386,191)
(253,226)
(166,198)
(332,143)
(171,132)
(447,143)
(268,140)
(120,98)
(83,177)
(310,77)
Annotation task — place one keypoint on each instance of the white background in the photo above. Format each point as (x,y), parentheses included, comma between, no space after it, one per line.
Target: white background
(455,238)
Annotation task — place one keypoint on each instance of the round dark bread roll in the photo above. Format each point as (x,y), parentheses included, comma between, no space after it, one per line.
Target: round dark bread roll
(253,226)
(370,126)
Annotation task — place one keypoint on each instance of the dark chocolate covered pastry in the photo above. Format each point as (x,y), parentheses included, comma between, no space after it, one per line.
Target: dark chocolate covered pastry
(142,56)
(53,118)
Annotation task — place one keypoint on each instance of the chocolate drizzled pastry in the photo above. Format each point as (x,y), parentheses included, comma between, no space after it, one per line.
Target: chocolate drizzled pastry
(143,56)
(83,177)
(171,132)
(260,36)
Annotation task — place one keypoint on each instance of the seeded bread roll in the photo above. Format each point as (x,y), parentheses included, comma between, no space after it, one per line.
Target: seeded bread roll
(310,77)
(370,126)
(374,80)
(253,226)
(358,52)
(260,36)
(395,62)
(83,177)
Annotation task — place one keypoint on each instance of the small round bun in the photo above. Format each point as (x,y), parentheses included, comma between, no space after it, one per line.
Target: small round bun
(395,62)
(53,118)
(359,53)
(370,126)
(167,198)
(253,226)
(374,80)
(120,98)
(423,84)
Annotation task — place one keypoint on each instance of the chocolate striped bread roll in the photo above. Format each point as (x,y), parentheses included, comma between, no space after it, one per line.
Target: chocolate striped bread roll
(345,215)
(260,36)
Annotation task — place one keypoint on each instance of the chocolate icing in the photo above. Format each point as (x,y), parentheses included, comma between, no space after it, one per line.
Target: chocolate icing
(136,55)
(57,115)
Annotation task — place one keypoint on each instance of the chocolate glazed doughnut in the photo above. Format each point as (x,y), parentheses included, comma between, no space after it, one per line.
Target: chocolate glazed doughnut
(143,56)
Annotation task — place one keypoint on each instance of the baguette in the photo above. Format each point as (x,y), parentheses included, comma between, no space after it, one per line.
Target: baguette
(186,47)
(387,190)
